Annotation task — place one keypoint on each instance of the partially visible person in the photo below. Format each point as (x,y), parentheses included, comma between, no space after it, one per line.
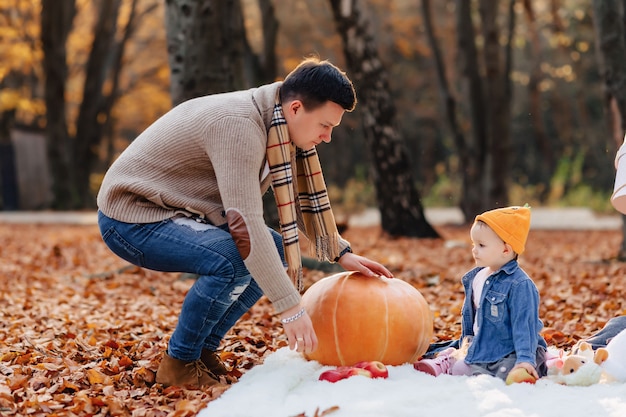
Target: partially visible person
(500,316)
(186,196)
(616,324)
(602,337)
(618,199)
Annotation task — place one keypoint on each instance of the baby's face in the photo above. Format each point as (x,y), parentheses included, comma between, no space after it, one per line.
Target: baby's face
(488,249)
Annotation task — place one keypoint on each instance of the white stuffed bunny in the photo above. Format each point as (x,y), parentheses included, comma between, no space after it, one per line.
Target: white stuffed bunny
(614,366)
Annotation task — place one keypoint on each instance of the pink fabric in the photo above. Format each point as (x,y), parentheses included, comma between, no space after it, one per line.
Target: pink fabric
(460,368)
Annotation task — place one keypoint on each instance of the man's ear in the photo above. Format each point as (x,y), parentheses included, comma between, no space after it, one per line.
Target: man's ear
(294,106)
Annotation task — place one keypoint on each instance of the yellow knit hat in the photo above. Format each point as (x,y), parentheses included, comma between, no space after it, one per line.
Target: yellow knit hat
(511,224)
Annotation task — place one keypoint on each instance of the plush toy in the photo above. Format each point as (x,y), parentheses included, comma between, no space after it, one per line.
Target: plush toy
(582,367)
(614,366)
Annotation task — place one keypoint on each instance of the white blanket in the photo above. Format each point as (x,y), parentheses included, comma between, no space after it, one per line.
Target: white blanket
(287,385)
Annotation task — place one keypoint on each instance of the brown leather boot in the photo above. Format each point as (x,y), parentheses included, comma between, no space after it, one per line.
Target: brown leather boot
(191,374)
(214,364)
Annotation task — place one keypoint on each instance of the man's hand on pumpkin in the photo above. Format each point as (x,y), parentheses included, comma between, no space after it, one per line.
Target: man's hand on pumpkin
(353,262)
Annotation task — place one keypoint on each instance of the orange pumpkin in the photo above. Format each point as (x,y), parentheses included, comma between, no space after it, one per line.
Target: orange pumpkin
(358,318)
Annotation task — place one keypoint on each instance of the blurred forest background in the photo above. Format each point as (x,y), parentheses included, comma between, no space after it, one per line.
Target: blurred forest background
(483,103)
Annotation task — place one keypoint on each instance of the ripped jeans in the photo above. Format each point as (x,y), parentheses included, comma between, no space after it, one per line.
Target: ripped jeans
(224,290)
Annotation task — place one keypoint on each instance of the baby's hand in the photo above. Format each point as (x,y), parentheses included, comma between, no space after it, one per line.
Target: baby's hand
(521,374)
(528,367)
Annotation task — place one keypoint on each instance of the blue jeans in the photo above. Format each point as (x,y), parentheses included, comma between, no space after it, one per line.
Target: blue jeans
(224,290)
(603,336)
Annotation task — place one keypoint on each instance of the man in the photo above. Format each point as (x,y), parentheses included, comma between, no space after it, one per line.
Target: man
(186,196)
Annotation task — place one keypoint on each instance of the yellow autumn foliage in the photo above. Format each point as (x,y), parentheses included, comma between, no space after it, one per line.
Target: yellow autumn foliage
(8,99)
(22,75)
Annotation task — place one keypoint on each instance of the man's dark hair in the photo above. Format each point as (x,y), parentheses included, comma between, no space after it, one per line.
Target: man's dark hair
(315,82)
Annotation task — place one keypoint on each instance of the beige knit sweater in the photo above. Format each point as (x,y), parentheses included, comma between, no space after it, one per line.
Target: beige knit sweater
(205,156)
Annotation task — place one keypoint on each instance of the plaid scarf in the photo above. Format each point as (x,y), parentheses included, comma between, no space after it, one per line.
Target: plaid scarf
(311,211)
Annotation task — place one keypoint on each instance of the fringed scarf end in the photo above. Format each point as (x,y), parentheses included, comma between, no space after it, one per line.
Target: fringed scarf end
(296,276)
(327,247)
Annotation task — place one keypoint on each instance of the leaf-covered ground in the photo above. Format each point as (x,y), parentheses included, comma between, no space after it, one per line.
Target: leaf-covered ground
(82,332)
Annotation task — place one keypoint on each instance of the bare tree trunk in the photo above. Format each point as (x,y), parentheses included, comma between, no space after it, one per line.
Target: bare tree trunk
(73,158)
(473,197)
(485,156)
(611,37)
(557,22)
(398,200)
(498,103)
(9,195)
(449,101)
(270,34)
(609,26)
(105,63)
(206,47)
(91,118)
(56,22)
(547,160)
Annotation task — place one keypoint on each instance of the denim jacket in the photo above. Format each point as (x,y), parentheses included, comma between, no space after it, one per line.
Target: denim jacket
(508,317)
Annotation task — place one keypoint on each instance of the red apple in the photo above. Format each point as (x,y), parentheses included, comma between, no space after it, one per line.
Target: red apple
(333,375)
(377,368)
(520,375)
(343,372)
(359,371)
